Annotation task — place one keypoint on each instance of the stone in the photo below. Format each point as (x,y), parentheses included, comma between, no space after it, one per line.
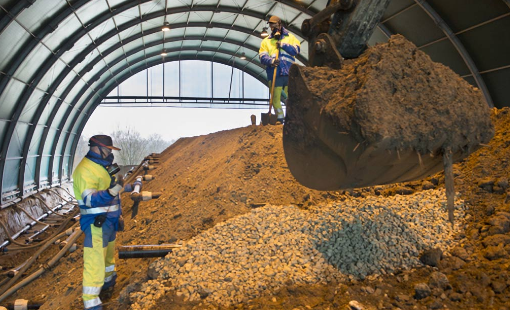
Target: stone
(486,184)
(152,272)
(436,304)
(403,298)
(495,252)
(451,262)
(439,280)
(502,182)
(421,290)
(455,296)
(426,185)
(496,240)
(355,305)
(367,290)
(460,252)
(498,286)
(500,223)
(431,257)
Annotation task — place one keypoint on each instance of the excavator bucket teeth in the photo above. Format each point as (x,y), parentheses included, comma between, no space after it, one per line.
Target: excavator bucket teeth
(384,118)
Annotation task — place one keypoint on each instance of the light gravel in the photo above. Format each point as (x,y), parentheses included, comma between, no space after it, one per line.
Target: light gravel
(274,246)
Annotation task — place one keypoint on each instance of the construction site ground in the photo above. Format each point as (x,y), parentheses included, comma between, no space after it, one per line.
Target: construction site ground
(209,179)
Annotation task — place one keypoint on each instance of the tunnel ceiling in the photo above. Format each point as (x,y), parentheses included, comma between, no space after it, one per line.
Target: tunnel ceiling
(59,59)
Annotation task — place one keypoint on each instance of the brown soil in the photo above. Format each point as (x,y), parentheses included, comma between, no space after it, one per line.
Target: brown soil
(207,179)
(392,108)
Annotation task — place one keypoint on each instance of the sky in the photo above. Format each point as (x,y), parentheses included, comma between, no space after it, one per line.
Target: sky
(198,79)
(170,123)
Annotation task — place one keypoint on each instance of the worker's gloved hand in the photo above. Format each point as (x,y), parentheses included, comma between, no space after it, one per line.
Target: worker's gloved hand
(120,179)
(116,186)
(278,45)
(275,62)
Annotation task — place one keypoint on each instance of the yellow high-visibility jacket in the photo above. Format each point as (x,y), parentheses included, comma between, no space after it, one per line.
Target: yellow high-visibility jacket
(290,47)
(91,183)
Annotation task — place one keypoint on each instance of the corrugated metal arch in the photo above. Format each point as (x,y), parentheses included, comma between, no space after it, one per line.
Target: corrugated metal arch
(34,105)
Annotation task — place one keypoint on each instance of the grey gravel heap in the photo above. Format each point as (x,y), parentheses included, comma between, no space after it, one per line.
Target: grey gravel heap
(270,247)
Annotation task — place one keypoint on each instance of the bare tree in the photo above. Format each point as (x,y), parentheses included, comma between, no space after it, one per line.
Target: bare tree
(134,147)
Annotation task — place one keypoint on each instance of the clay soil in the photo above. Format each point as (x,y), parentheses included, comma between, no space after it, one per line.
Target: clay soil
(207,179)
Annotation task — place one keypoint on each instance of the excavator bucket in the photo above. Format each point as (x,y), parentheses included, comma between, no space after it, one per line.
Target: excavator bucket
(384,117)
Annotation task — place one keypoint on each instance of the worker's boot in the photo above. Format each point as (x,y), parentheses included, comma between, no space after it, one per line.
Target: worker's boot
(106,293)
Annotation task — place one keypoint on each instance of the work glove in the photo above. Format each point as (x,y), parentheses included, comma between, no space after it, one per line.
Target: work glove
(116,185)
(275,62)
(278,45)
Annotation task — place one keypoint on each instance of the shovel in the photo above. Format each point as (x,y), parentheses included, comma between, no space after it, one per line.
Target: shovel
(268,118)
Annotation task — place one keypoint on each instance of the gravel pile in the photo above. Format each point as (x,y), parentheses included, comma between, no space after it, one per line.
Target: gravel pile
(237,260)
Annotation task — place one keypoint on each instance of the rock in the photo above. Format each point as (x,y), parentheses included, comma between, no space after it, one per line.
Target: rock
(455,296)
(403,298)
(367,290)
(152,272)
(421,290)
(355,305)
(479,293)
(503,213)
(436,304)
(486,184)
(451,262)
(500,223)
(427,185)
(401,190)
(431,257)
(439,280)
(495,252)
(496,240)
(498,286)
(182,261)
(460,252)
(498,189)
(502,182)
(203,293)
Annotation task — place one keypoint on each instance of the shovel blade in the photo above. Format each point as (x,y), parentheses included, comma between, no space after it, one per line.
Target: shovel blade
(268,119)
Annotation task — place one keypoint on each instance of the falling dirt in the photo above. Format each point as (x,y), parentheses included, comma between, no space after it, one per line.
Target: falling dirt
(208,179)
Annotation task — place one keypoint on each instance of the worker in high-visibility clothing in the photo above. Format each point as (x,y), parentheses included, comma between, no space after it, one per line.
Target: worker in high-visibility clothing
(282,42)
(97,193)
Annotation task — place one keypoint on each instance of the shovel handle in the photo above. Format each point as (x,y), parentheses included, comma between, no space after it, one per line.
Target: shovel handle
(271,95)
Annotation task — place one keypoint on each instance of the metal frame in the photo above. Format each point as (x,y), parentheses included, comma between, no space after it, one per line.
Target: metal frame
(71,85)
(459,47)
(106,91)
(121,77)
(76,60)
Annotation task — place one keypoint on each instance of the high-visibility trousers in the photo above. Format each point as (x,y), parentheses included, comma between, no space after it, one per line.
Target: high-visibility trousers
(280,90)
(98,262)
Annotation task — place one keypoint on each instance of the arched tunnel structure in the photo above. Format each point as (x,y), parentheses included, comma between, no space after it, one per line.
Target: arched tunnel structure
(59,59)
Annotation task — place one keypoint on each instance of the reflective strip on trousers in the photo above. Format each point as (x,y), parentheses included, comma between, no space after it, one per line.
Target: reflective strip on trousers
(91,290)
(99,210)
(91,303)
(108,278)
(110,268)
